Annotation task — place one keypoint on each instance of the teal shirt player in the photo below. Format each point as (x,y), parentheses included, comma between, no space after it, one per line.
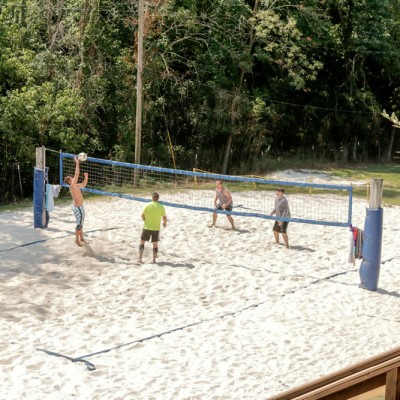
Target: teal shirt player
(153,213)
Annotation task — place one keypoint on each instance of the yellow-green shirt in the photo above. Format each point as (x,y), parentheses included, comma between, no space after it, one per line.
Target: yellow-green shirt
(153,213)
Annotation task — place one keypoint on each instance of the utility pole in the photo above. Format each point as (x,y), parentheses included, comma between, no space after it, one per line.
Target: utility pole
(139,91)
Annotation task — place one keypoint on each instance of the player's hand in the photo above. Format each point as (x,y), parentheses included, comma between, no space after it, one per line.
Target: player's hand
(85,174)
(76,159)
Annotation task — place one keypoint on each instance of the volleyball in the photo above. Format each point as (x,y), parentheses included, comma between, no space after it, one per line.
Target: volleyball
(82,157)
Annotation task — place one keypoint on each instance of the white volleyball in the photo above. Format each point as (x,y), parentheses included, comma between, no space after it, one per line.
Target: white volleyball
(82,157)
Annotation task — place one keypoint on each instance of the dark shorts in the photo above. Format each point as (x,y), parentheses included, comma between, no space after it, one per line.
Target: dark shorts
(146,235)
(282,228)
(228,208)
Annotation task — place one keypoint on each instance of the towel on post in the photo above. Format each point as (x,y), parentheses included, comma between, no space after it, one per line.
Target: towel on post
(49,197)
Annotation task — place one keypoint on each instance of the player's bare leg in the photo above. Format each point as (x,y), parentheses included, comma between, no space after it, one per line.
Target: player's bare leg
(77,238)
(81,236)
(230,219)
(141,250)
(285,239)
(214,220)
(155,252)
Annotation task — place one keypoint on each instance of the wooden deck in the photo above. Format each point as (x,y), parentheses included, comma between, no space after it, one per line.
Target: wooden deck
(372,377)
(376,394)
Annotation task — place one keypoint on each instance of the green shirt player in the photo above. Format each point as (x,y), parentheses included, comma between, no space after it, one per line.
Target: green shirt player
(151,217)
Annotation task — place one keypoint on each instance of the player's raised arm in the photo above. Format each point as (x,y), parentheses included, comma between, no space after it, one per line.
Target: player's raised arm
(77,171)
(85,180)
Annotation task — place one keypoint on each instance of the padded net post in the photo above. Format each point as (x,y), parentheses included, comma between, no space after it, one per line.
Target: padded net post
(39,212)
(372,247)
(40,215)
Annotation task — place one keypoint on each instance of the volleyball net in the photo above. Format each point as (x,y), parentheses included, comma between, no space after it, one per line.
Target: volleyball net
(313,203)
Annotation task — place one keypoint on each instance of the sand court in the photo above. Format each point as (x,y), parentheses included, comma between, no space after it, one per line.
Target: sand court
(222,315)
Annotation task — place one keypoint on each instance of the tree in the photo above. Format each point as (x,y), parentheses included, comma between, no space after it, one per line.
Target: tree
(360,46)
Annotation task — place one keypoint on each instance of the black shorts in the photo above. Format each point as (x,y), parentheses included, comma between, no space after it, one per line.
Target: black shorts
(282,228)
(147,234)
(227,208)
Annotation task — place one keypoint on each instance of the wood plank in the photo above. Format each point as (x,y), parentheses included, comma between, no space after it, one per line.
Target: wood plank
(398,384)
(371,395)
(345,388)
(392,378)
(363,391)
(344,378)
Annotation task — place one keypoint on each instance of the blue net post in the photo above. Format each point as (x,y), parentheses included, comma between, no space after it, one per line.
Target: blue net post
(39,212)
(372,247)
(40,215)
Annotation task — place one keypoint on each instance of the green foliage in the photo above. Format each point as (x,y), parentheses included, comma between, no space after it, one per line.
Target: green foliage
(281,41)
(277,78)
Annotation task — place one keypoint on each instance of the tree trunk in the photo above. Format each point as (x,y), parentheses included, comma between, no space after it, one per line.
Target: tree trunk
(227,153)
(52,31)
(345,154)
(389,150)
(355,148)
(235,100)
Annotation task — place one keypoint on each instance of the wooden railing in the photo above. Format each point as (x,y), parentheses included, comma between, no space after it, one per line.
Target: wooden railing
(381,370)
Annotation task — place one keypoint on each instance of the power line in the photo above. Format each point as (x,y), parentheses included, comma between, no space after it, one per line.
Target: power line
(281,102)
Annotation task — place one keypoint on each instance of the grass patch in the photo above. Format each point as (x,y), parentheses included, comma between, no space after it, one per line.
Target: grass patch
(17,205)
(389,173)
(63,198)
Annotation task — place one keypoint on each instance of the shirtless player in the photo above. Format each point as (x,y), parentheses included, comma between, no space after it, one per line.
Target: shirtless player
(77,208)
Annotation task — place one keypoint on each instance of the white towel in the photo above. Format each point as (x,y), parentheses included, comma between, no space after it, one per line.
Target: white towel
(49,197)
(56,190)
(352,258)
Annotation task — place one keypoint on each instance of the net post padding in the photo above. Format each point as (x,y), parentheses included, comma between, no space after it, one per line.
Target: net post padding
(40,218)
(39,215)
(372,247)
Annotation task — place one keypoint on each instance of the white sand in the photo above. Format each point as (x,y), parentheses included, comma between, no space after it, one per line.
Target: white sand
(223,315)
